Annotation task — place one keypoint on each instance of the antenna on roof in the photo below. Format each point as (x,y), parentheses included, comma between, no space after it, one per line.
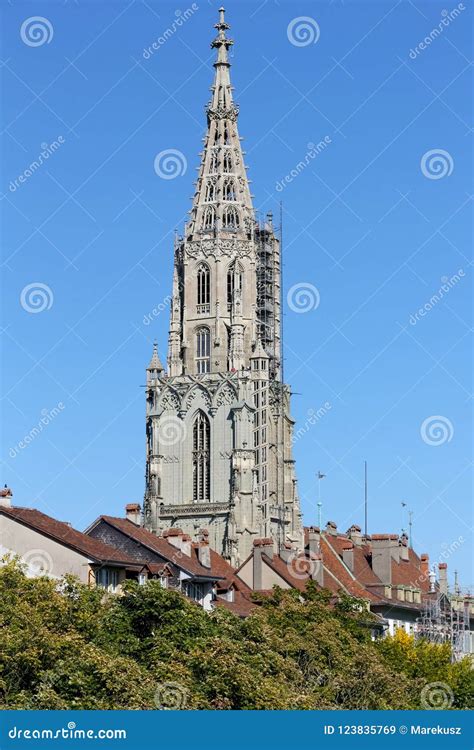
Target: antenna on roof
(365,499)
(410,527)
(319,476)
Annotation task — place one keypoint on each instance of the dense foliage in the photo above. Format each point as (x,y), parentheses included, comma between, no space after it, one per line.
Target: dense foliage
(69,646)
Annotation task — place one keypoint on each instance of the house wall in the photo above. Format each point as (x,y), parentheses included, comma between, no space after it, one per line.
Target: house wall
(41,553)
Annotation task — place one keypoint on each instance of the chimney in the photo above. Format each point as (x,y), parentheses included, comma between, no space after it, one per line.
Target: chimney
(382,556)
(204,552)
(317,569)
(286,552)
(443,578)
(425,566)
(6,497)
(178,539)
(260,547)
(331,528)
(355,535)
(314,540)
(133,513)
(404,555)
(348,556)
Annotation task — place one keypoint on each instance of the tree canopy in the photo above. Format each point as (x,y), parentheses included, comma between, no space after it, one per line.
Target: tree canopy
(66,646)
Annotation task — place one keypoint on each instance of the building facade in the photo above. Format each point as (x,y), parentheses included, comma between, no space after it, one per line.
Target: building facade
(219,430)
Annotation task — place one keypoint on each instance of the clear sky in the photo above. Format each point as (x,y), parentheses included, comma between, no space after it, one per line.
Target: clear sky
(375,221)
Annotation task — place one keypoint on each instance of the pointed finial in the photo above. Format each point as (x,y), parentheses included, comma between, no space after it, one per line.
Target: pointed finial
(155,363)
(221,42)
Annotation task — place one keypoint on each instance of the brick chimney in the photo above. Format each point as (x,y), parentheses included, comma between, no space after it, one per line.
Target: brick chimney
(6,497)
(382,545)
(331,528)
(425,566)
(260,547)
(204,552)
(355,535)
(133,513)
(286,552)
(178,539)
(443,578)
(404,554)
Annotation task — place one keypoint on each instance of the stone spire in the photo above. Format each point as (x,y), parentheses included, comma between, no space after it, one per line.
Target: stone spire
(222,201)
(155,368)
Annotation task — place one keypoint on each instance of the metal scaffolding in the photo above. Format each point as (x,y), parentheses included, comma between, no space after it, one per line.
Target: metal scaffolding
(446,621)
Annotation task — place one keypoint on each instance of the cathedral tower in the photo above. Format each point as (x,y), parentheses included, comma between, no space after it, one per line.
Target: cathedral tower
(219,431)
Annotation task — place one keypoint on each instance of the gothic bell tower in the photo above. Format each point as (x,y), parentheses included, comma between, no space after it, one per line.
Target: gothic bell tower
(219,431)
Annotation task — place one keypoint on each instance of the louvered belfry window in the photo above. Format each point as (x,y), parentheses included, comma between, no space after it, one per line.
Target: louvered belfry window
(201,458)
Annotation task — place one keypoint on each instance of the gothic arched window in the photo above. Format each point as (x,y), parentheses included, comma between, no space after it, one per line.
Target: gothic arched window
(203,289)
(234,279)
(226,136)
(210,192)
(230,218)
(229,190)
(201,458)
(214,162)
(203,351)
(227,162)
(209,218)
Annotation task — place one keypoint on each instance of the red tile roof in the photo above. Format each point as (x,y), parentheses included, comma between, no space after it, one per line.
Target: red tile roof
(242,606)
(190,564)
(64,534)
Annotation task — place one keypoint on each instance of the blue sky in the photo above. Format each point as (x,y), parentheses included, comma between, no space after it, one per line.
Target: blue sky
(372,222)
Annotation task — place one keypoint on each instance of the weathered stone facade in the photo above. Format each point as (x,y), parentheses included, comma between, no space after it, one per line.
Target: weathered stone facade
(219,429)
